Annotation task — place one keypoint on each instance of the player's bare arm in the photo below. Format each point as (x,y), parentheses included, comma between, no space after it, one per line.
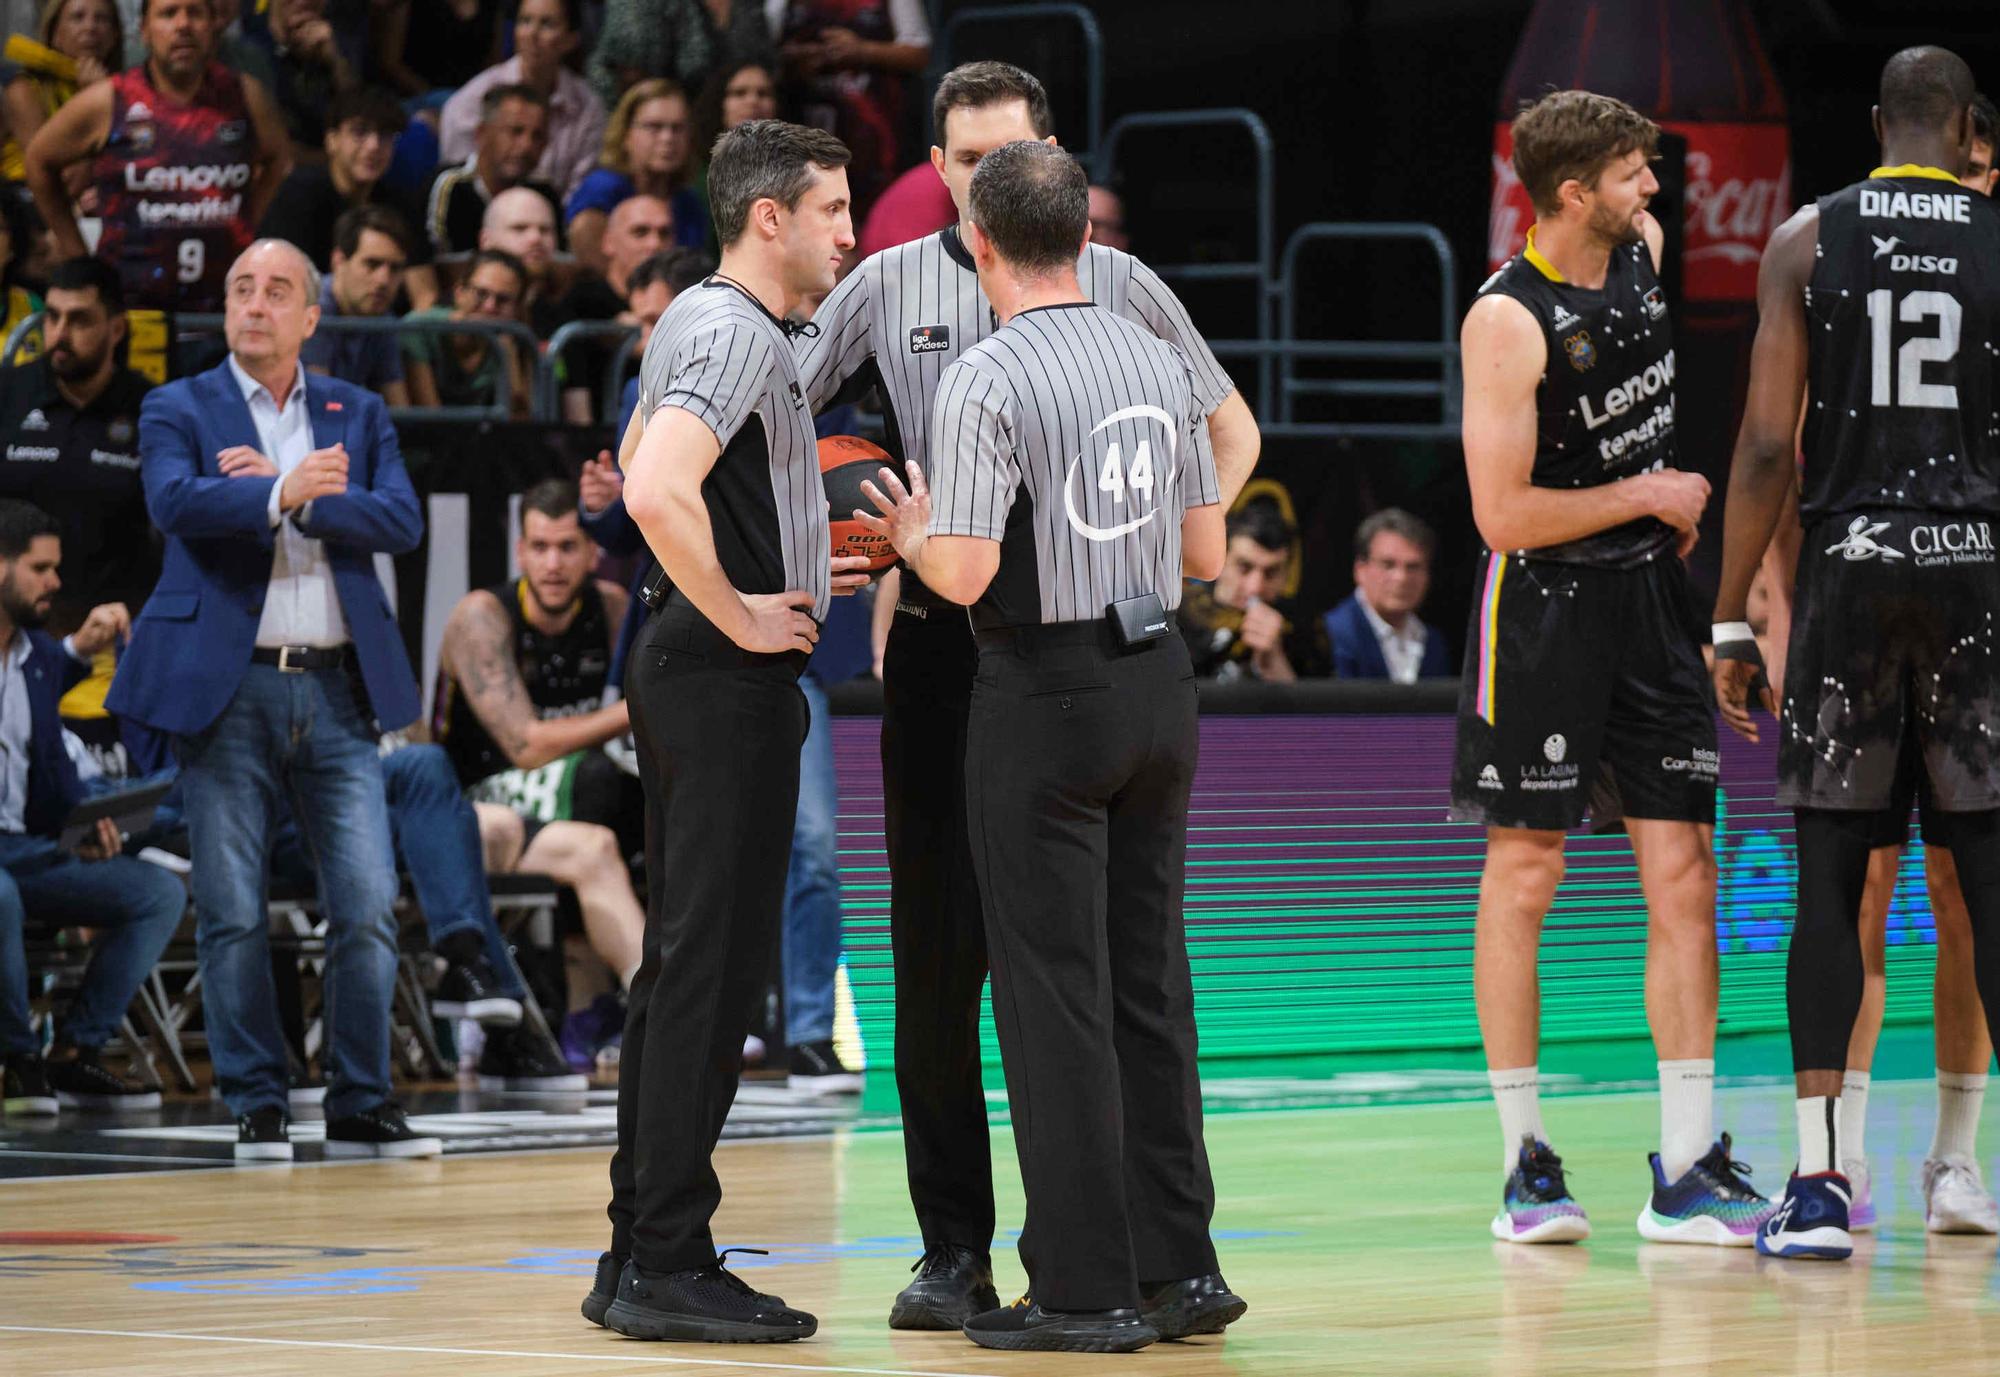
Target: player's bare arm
(478,652)
(674,454)
(274,151)
(73,133)
(1763,469)
(1504,356)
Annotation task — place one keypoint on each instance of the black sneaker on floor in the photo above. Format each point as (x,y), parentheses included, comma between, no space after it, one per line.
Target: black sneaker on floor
(260,1137)
(1198,1305)
(379,1132)
(471,990)
(24,1087)
(816,1067)
(522,1060)
(603,1287)
(1025,1325)
(85,1082)
(953,1284)
(703,1305)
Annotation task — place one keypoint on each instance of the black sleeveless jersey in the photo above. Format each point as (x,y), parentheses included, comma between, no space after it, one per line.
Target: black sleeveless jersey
(564,674)
(1605,407)
(1901,314)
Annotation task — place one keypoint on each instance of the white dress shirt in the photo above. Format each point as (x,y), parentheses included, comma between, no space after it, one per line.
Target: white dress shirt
(17,730)
(302,606)
(1402,651)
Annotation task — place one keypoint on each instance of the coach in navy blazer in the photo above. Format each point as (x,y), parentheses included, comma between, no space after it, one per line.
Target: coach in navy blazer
(192,643)
(269,653)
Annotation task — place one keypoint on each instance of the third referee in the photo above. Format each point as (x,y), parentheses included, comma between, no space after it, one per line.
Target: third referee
(1075,486)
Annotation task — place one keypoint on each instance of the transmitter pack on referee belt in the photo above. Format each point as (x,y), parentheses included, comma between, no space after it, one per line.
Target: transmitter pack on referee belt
(1138,620)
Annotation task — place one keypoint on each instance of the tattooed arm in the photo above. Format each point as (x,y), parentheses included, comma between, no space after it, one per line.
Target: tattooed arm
(479,656)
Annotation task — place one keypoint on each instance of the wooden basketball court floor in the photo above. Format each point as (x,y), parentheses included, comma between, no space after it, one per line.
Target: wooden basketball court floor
(1357,1234)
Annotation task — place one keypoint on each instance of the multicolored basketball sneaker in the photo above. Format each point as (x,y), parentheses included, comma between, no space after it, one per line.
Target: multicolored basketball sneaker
(1535,1206)
(1711,1203)
(1861,1211)
(1811,1221)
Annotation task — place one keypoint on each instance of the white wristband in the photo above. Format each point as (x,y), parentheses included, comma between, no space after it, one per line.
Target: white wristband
(1723,632)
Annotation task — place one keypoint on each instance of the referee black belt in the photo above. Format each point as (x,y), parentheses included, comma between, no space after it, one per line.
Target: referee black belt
(1030,640)
(297,659)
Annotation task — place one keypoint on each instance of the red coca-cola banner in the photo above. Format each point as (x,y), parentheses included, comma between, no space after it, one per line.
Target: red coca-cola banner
(1739,189)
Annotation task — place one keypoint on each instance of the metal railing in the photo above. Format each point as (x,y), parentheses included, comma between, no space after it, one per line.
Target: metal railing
(1084,142)
(550,400)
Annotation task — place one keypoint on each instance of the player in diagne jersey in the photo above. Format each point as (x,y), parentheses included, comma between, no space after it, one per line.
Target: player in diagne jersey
(1584,680)
(183,153)
(1878,307)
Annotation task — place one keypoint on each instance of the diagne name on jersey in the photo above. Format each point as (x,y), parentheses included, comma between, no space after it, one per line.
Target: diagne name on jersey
(1916,205)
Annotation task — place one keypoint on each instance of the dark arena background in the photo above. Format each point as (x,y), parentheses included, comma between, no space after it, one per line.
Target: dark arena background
(1325,185)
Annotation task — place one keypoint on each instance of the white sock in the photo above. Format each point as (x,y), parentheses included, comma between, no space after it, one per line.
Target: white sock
(1687,1115)
(1854,1116)
(1819,1134)
(1961,1095)
(1518,1094)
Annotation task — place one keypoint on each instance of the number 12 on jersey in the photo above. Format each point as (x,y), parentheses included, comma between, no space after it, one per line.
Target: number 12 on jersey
(1941,346)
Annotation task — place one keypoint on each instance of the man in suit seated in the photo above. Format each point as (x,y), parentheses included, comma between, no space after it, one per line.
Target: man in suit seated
(269,653)
(1376,633)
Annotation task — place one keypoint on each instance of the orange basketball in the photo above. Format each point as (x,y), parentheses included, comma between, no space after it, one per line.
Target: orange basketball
(844,460)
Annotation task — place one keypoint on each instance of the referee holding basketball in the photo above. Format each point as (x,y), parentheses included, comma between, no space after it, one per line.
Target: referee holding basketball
(896,323)
(1075,487)
(722,476)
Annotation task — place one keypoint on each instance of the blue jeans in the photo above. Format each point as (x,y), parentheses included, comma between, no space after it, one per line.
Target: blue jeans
(133,905)
(303,740)
(437,836)
(812,884)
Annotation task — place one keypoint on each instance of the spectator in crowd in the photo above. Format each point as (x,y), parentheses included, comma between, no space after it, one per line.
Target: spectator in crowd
(522,673)
(640,227)
(18,300)
(1231,628)
(132,906)
(84,41)
(308,67)
(523,223)
(428,48)
(465,369)
(361,129)
(171,237)
(369,253)
(70,422)
(1979,169)
(1376,633)
(744,91)
(545,33)
(269,655)
(846,63)
(685,41)
(917,203)
(512,135)
(1107,219)
(646,153)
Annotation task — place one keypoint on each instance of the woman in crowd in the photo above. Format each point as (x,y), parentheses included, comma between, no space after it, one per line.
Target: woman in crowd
(86,42)
(546,32)
(683,40)
(746,90)
(647,151)
(464,370)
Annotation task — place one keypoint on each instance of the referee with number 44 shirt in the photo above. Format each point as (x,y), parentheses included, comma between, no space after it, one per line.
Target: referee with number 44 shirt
(1075,485)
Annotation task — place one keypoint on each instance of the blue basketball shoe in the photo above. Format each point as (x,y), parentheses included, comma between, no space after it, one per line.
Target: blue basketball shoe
(1535,1206)
(1712,1203)
(1811,1222)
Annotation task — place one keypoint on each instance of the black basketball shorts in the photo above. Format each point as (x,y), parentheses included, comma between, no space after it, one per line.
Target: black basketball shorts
(1892,657)
(1584,692)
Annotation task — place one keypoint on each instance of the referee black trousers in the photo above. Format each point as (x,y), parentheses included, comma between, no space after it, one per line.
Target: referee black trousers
(935,931)
(1080,760)
(718,732)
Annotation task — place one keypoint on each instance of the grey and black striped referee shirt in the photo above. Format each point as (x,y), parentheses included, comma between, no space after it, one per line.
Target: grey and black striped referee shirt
(1076,439)
(718,354)
(906,314)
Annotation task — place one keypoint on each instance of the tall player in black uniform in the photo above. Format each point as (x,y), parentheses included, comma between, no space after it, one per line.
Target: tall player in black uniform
(896,323)
(1584,680)
(1879,303)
